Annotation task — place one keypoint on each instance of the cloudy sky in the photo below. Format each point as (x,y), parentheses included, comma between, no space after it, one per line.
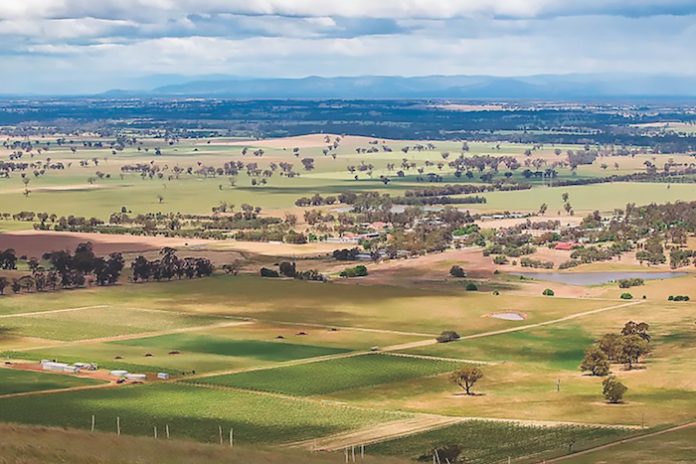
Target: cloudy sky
(84,46)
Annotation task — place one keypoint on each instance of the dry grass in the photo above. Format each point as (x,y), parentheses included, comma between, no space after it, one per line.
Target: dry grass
(41,445)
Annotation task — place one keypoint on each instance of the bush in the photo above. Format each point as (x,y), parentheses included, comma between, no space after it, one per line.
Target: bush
(265,272)
(448,336)
(548,292)
(678,298)
(457,271)
(626,296)
(500,259)
(287,269)
(471,287)
(628,283)
(357,271)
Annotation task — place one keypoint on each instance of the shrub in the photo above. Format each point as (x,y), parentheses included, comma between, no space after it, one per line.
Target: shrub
(548,292)
(265,272)
(287,269)
(500,259)
(678,298)
(448,336)
(457,271)
(628,283)
(357,271)
(626,296)
(471,287)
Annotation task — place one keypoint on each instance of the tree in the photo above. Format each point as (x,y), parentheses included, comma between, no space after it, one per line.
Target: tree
(457,271)
(637,328)
(596,361)
(632,349)
(613,390)
(3,284)
(611,345)
(543,208)
(548,292)
(466,377)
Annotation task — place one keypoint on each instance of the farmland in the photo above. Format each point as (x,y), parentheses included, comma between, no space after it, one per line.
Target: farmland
(285,343)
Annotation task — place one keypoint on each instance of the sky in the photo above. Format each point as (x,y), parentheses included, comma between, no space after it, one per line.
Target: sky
(88,46)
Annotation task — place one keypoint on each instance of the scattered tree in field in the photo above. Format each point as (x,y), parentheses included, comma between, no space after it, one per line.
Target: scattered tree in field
(543,208)
(626,296)
(457,271)
(3,284)
(613,390)
(596,361)
(466,377)
(548,292)
(637,328)
(471,287)
(633,348)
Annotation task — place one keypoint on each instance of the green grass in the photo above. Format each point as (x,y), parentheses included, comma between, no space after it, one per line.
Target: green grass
(17,381)
(191,412)
(493,442)
(325,377)
(98,322)
(559,347)
(277,351)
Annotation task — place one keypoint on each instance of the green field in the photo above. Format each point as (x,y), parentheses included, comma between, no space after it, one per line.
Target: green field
(561,347)
(17,381)
(191,412)
(490,442)
(325,377)
(277,351)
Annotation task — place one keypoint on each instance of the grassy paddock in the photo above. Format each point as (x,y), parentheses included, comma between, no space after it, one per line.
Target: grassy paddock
(17,381)
(191,412)
(336,375)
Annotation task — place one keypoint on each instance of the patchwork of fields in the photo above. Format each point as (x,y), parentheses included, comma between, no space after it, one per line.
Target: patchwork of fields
(288,362)
(288,377)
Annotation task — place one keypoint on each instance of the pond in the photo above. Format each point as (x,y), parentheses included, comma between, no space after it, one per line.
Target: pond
(596,278)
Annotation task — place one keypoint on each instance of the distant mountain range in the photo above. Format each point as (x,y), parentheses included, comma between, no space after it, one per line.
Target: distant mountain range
(569,87)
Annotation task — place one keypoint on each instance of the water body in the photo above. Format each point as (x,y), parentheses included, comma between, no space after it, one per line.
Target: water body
(596,278)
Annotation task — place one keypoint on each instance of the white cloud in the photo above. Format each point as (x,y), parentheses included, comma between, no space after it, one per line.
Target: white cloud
(402,9)
(109,41)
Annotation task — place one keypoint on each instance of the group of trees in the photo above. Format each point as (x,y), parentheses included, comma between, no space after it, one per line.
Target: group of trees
(627,347)
(170,266)
(289,269)
(64,270)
